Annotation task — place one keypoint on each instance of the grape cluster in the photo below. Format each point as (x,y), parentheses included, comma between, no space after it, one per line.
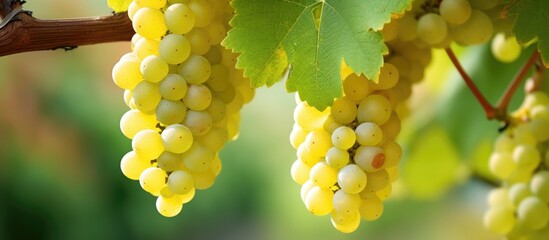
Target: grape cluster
(347,156)
(184,95)
(436,23)
(520,208)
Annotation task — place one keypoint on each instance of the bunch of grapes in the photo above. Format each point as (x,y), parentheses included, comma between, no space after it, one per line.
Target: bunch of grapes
(347,156)
(519,208)
(436,23)
(184,95)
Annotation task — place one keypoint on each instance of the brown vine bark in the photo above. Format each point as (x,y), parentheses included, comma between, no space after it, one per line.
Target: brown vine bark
(25,33)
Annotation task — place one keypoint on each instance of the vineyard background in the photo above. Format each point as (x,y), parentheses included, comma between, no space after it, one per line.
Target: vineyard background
(60,147)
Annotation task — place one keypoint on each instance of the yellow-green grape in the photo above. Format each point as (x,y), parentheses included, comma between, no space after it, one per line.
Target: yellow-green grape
(504,143)
(152,180)
(214,55)
(371,207)
(499,219)
(177,138)
(352,179)
(390,30)
(217,110)
(388,76)
(132,165)
(391,128)
(323,175)
(368,134)
(198,158)
(533,99)
(297,136)
(305,155)
(539,112)
(345,202)
(198,97)
(158,4)
(169,161)
(337,158)
(149,23)
(356,87)
(477,29)
(200,42)
(170,112)
(431,28)
(309,118)
(236,104)
(540,129)
(216,32)
(345,223)
(203,180)
(376,181)
(374,108)
(330,125)
(132,9)
(517,192)
(198,122)
(407,28)
(305,188)
(385,192)
(533,213)
(344,137)
(215,139)
(146,96)
(174,49)
(505,49)
(393,173)
(169,207)
(126,74)
(134,121)
(300,172)
(523,135)
(319,201)
(540,185)
(499,197)
(455,11)
(173,87)
(343,110)
(318,141)
(147,144)
(179,18)
(195,70)
(146,47)
(526,156)
(154,69)
(219,78)
(502,165)
(203,11)
(180,182)
(393,153)
(216,165)
(370,159)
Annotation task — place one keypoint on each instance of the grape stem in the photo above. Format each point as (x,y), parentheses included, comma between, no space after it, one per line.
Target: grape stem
(490,111)
(481,178)
(503,103)
(24,33)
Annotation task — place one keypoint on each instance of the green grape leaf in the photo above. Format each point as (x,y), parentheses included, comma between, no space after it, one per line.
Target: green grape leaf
(309,38)
(119,5)
(433,164)
(531,24)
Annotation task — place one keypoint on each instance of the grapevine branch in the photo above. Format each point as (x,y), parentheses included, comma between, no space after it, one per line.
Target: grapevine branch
(25,33)
(503,103)
(490,111)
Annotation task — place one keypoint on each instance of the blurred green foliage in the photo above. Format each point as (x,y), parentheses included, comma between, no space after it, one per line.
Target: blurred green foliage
(60,148)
